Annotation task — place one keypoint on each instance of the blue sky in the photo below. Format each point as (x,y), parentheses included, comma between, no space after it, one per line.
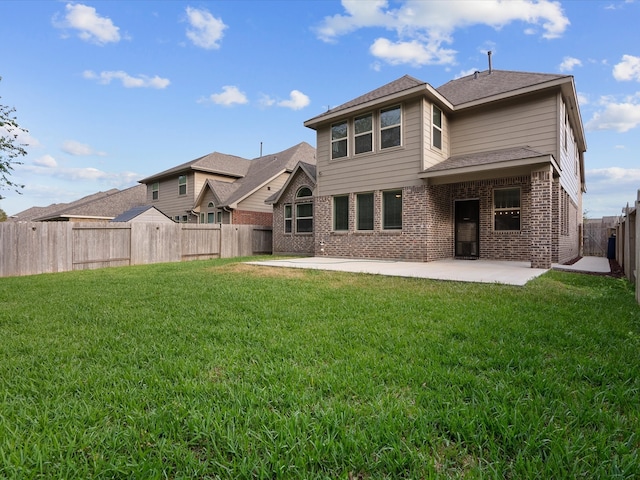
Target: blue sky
(112,92)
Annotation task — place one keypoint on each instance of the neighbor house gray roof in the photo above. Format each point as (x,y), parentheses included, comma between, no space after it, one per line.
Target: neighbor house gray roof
(135,212)
(101,205)
(261,171)
(220,163)
(483,85)
(308,168)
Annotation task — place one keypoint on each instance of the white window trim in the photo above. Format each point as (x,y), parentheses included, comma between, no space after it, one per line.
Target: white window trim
(437,127)
(371,132)
(341,139)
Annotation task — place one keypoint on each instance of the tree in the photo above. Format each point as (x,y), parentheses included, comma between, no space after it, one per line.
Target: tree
(10,149)
(3,215)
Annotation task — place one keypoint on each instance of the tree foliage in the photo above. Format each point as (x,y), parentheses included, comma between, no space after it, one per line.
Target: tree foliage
(10,148)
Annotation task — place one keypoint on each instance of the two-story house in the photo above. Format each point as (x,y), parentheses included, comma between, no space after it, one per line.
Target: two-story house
(221,188)
(486,166)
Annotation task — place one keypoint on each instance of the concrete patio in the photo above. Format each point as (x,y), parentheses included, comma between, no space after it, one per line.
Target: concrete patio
(479,271)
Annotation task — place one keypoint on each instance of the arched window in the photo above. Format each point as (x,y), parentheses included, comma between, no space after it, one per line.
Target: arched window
(304,192)
(211,214)
(304,210)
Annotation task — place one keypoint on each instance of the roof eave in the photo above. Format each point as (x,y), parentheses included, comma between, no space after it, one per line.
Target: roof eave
(523,162)
(424,89)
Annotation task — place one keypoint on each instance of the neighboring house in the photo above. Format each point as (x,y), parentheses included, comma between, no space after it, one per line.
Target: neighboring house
(220,188)
(98,207)
(144,213)
(486,166)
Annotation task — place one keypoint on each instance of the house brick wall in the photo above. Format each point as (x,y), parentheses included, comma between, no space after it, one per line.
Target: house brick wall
(292,243)
(541,218)
(569,244)
(246,217)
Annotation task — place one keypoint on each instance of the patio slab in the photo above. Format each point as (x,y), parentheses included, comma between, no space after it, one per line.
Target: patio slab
(479,271)
(587,264)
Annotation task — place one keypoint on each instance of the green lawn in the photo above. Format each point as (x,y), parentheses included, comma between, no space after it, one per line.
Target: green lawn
(217,369)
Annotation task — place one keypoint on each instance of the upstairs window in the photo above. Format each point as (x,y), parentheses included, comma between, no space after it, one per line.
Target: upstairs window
(155,190)
(391,127)
(182,185)
(339,132)
(506,205)
(436,134)
(363,127)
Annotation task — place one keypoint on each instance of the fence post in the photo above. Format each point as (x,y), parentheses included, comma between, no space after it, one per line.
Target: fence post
(637,249)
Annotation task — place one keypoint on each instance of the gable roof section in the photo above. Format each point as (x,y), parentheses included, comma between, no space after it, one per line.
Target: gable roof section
(307,168)
(220,163)
(135,212)
(261,171)
(398,89)
(484,85)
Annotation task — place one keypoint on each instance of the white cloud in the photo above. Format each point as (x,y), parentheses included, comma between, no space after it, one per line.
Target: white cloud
(20,136)
(229,96)
(80,174)
(297,100)
(46,161)
(206,31)
(627,69)
(620,117)
(423,27)
(266,101)
(141,81)
(465,73)
(569,63)
(79,149)
(582,99)
(617,174)
(91,26)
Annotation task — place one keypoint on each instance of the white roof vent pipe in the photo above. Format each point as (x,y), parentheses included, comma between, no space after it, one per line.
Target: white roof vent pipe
(490,67)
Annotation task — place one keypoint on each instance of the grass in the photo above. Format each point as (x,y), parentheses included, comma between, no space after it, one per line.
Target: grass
(218,369)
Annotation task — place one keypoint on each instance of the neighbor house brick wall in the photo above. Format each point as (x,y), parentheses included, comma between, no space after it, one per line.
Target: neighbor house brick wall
(292,243)
(246,217)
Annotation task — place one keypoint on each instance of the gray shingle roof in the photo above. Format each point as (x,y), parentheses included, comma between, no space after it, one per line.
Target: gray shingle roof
(403,83)
(132,213)
(485,84)
(485,158)
(221,163)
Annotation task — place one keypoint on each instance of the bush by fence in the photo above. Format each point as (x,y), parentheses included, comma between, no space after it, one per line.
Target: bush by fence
(47,247)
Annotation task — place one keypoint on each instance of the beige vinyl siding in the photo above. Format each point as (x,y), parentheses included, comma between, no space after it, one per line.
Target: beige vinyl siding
(169,201)
(533,123)
(255,201)
(569,157)
(392,168)
(152,215)
(201,178)
(433,156)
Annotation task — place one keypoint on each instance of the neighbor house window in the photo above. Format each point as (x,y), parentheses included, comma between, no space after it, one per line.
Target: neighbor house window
(341,213)
(182,185)
(364,211)
(288,218)
(390,127)
(506,205)
(363,127)
(392,210)
(177,218)
(155,190)
(436,134)
(185,219)
(339,133)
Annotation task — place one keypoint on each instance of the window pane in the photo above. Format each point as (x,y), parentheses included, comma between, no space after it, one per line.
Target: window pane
(364,143)
(437,138)
(365,211)
(304,225)
(304,210)
(339,149)
(507,198)
(287,219)
(389,117)
(507,220)
(507,209)
(363,124)
(392,209)
(210,217)
(437,116)
(338,131)
(390,137)
(341,213)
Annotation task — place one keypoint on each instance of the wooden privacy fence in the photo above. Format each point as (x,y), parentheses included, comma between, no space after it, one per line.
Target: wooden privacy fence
(46,247)
(627,244)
